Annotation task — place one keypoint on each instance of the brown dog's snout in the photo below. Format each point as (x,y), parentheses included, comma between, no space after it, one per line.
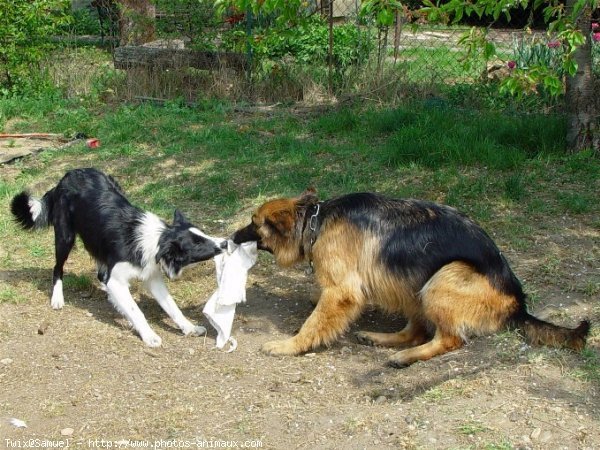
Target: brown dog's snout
(246,234)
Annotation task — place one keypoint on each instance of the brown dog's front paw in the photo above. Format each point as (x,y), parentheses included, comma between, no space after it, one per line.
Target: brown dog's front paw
(280,348)
(364,338)
(397,363)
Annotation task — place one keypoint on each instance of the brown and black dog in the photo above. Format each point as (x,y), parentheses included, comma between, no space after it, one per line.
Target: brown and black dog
(426,261)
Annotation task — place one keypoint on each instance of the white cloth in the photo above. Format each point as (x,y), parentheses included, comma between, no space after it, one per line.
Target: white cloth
(232,273)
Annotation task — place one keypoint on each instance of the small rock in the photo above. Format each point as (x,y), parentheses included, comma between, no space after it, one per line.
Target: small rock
(346,350)
(86,294)
(535,434)
(310,355)
(42,328)
(18,423)
(296,378)
(513,416)
(191,351)
(66,431)
(6,361)
(546,436)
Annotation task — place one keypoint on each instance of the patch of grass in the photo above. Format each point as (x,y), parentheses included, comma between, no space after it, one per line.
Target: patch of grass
(352,426)
(576,202)
(533,297)
(514,187)
(590,369)
(38,251)
(551,265)
(591,288)
(51,408)
(77,282)
(584,163)
(9,294)
(5,190)
(504,445)
(472,428)
(343,121)
(539,206)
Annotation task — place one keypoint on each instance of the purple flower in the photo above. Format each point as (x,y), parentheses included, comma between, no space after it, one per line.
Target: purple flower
(595,26)
(511,64)
(553,44)
(596,36)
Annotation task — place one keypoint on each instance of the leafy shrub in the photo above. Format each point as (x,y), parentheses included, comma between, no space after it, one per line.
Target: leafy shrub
(25,26)
(82,22)
(535,52)
(307,43)
(596,57)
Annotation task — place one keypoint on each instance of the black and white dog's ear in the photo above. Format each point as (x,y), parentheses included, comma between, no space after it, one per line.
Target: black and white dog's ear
(179,218)
(162,251)
(168,248)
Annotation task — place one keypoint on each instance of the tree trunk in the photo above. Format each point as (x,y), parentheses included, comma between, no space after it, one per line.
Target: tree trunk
(137,22)
(583,127)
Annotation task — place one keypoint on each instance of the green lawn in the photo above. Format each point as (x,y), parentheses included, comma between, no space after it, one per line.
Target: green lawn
(213,161)
(172,155)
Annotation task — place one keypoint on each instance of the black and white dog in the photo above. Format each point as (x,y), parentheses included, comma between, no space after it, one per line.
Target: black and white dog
(125,241)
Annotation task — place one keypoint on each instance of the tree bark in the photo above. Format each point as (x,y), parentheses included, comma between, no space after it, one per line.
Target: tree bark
(582,116)
(137,22)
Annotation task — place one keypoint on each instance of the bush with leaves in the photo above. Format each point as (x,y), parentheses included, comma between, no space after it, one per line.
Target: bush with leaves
(83,22)
(307,43)
(549,66)
(25,26)
(595,37)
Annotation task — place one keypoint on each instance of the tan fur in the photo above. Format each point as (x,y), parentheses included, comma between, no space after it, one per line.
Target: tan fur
(413,334)
(281,213)
(461,302)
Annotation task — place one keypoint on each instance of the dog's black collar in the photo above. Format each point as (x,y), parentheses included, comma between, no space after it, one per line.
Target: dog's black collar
(310,230)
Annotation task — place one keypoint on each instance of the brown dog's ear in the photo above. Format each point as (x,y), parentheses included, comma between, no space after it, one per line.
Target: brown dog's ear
(308,197)
(282,220)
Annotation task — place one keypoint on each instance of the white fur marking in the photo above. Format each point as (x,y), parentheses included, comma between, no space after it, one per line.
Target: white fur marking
(147,237)
(159,291)
(119,295)
(196,231)
(35,208)
(58,299)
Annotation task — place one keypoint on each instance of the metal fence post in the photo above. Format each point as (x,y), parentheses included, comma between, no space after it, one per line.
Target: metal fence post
(249,50)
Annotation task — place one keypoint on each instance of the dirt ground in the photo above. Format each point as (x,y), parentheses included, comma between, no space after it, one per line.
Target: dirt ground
(80,377)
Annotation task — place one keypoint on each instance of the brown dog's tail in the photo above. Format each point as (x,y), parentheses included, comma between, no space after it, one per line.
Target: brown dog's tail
(539,332)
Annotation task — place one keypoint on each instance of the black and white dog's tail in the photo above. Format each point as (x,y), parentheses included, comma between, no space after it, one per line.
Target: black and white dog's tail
(32,213)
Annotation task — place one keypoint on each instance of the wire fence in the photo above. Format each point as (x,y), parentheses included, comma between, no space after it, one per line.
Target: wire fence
(336,50)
